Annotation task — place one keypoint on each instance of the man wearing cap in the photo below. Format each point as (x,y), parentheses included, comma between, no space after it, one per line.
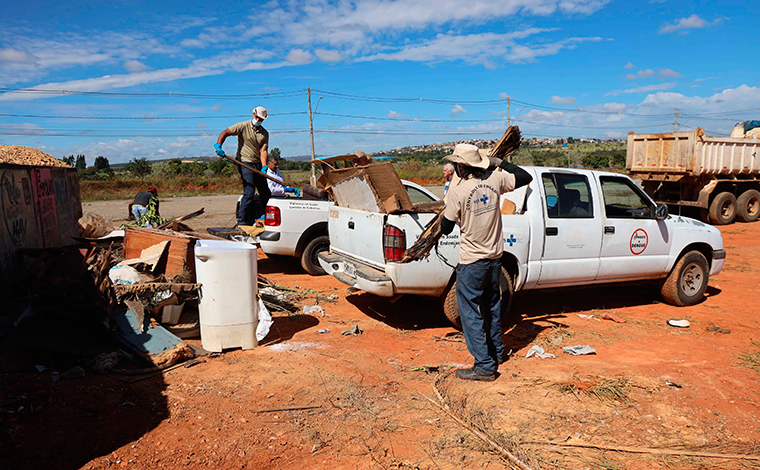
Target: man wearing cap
(253,142)
(474,203)
(138,208)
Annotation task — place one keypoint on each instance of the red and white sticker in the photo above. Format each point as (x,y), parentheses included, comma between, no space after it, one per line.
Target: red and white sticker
(639,241)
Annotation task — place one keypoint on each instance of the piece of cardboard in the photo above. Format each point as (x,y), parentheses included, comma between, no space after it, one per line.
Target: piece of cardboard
(356,193)
(382,179)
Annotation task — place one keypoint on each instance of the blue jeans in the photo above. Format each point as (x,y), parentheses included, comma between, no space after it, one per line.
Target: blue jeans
(479,299)
(252,182)
(139,211)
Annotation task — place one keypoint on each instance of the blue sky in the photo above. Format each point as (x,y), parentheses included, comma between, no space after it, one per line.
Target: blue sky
(389,73)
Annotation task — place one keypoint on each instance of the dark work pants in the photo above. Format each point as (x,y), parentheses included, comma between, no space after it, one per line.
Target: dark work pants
(251,183)
(479,299)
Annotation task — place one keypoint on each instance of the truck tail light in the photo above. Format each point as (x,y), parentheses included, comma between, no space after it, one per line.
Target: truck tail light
(273,218)
(394,243)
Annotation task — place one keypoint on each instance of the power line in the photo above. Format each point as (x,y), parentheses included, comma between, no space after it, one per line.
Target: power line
(278,94)
(141,118)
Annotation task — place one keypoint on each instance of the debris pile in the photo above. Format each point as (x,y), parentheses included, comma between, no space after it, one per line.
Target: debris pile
(20,155)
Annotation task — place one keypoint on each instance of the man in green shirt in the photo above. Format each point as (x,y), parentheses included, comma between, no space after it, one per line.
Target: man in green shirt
(253,143)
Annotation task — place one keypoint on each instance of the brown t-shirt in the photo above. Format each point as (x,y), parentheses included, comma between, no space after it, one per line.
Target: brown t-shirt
(250,140)
(474,202)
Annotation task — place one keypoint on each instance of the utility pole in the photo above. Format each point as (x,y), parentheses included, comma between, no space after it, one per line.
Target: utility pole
(311,132)
(675,121)
(509,123)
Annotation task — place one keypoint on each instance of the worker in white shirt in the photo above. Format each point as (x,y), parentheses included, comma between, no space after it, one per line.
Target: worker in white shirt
(277,189)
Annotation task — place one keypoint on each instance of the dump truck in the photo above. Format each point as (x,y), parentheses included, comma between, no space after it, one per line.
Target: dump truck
(716,178)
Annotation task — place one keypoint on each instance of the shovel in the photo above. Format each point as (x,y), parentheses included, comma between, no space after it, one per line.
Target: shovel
(249,167)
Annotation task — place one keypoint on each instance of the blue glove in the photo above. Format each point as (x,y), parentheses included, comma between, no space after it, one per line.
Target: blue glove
(289,189)
(219,151)
(264,169)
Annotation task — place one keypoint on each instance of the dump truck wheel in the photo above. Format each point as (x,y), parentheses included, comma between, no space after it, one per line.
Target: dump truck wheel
(723,209)
(451,306)
(748,205)
(687,281)
(309,258)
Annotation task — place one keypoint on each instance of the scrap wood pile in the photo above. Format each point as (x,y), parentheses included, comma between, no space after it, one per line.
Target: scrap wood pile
(421,248)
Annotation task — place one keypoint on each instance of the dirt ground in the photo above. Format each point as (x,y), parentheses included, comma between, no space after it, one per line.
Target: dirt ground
(366,399)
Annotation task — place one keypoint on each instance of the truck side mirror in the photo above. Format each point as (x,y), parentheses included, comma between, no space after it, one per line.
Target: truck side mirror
(661,211)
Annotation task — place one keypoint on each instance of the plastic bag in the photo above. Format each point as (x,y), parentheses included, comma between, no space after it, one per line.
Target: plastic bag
(265,322)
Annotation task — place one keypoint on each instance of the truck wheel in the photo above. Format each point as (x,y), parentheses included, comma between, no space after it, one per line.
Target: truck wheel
(748,205)
(309,258)
(451,306)
(687,282)
(723,209)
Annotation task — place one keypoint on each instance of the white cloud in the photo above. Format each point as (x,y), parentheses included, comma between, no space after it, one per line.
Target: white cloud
(328,56)
(503,96)
(135,66)
(614,107)
(14,55)
(299,57)
(566,100)
(645,89)
(629,65)
(668,73)
(395,115)
(477,48)
(458,109)
(683,25)
(216,107)
(630,76)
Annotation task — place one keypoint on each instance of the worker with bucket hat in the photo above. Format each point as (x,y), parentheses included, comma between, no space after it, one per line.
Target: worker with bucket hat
(253,144)
(474,203)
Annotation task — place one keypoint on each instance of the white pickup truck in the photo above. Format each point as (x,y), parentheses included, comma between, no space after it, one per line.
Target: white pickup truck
(567,228)
(298,227)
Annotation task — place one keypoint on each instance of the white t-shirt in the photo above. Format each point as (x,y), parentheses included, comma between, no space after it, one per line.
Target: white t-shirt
(474,202)
(276,188)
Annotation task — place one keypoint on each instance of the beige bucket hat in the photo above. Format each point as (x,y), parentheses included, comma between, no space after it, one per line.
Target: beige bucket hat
(260,112)
(469,155)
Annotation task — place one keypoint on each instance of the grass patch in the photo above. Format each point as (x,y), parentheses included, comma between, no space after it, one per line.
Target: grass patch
(615,389)
(751,360)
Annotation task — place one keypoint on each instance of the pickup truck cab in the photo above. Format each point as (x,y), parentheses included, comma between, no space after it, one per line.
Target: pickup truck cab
(297,227)
(567,228)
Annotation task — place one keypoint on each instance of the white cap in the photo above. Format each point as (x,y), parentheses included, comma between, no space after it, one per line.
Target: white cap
(260,112)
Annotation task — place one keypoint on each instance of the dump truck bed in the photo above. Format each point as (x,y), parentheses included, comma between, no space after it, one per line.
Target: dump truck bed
(691,153)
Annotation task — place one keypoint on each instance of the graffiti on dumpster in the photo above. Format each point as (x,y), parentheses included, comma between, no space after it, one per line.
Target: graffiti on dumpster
(14,215)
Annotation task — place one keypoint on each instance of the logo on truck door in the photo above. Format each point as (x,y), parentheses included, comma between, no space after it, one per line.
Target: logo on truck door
(639,241)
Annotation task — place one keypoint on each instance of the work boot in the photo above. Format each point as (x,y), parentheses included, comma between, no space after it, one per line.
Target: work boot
(476,374)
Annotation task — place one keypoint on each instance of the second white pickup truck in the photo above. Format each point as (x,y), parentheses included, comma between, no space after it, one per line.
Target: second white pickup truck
(569,228)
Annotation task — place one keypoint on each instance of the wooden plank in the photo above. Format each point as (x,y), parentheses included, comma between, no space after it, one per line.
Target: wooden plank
(181,252)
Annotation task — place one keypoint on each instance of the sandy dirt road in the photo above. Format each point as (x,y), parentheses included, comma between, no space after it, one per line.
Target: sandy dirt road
(219,210)
(368,393)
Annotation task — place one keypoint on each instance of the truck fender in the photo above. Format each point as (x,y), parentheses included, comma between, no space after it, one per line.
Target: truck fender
(703,248)
(704,194)
(320,228)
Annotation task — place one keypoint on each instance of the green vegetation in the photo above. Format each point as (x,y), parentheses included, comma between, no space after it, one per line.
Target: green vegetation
(423,165)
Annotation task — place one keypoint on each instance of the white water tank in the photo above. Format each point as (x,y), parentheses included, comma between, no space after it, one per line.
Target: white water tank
(228,306)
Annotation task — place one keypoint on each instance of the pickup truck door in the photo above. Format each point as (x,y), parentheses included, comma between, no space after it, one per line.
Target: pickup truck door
(635,244)
(572,230)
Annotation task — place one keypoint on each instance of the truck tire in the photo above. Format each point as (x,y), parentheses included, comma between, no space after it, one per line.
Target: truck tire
(687,281)
(309,257)
(748,205)
(451,305)
(723,209)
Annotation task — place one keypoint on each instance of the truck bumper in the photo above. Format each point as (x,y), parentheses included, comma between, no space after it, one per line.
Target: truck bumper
(356,275)
(718,259)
